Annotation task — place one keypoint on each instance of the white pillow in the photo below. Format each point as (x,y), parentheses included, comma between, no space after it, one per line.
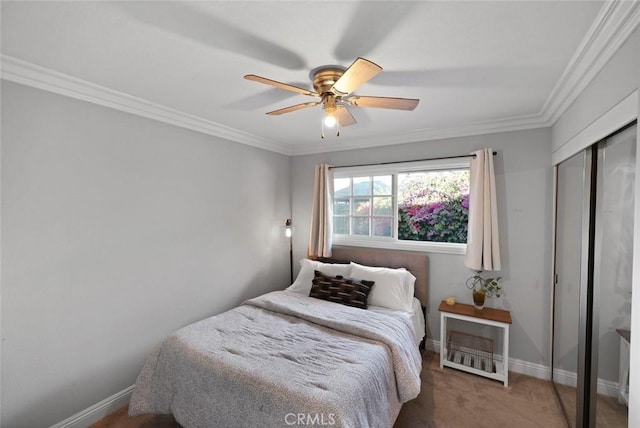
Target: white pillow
(393,288)
(302,284)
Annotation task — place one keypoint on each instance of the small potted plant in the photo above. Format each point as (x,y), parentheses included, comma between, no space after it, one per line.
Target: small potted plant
(483,288)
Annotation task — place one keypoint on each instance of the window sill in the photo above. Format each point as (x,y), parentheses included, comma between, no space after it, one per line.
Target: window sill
(427,247)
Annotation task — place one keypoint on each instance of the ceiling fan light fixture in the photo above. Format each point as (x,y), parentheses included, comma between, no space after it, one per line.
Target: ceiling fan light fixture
(330,119)
(330,110)
(330,113)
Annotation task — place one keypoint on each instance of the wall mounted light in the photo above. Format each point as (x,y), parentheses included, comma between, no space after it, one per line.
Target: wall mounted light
(288,232)
(288,229)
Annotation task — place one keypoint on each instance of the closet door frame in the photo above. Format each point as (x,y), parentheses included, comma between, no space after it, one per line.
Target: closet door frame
(588,314)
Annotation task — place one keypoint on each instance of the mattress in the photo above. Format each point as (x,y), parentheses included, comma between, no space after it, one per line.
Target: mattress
(416,316)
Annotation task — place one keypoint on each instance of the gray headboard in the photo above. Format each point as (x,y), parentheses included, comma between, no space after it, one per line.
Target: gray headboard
(415,262)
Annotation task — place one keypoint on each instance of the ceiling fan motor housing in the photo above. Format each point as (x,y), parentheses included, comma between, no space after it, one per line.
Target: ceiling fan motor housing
(325,78)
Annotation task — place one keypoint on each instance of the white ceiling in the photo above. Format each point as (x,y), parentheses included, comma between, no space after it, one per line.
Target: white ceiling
(476,66)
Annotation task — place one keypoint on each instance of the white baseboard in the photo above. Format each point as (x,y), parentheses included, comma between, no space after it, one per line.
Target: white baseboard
(540,371)
(98,411)
(605,387)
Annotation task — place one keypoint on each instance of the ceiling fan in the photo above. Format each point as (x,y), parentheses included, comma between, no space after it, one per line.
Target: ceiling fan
(334,85)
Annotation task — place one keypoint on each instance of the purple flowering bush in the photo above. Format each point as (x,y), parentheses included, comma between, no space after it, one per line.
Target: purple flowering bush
(435,214)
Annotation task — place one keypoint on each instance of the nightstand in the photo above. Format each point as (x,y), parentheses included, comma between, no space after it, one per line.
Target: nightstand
(487,316)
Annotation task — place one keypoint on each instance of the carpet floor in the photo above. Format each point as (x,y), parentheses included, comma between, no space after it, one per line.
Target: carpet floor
(609,412)
(449,398)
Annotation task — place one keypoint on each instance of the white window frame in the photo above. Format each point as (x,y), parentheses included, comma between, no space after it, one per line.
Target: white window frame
(395,169)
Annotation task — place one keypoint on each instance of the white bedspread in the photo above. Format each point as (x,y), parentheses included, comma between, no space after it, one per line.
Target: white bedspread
(283,356)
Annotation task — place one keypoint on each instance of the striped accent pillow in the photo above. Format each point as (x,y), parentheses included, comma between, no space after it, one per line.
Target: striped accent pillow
(338,289)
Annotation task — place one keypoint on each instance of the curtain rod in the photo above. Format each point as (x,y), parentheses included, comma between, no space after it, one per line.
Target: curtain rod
(408,161)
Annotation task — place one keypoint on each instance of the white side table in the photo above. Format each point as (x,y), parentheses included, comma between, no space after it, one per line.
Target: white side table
(487,316)
(623,373)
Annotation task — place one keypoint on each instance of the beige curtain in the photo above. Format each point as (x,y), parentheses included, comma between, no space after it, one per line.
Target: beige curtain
(483,248)
(321,213)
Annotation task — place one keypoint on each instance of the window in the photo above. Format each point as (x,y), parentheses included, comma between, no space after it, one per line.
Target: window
(433,205)
(419,204)
(363,206)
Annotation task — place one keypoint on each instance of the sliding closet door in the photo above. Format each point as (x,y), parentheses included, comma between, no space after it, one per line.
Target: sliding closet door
(573,184)
(592,291)
(612,274)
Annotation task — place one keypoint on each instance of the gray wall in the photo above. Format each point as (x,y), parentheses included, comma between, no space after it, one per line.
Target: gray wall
(117,230)
(524,187)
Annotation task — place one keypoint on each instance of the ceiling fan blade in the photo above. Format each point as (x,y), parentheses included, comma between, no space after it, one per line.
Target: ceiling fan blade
(345,118)
(280,85)
(358,73)
(383,102)
(293,108)
(262,99)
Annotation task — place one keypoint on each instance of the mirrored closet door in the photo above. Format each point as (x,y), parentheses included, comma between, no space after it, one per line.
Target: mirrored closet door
(571,191)
(592,294)
(612,275)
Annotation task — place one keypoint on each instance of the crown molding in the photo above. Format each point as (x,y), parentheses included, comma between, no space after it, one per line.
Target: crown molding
(517,123)
(612,27)
(26,73)
(614,24)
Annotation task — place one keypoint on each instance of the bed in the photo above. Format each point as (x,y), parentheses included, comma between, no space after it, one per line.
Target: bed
(288,359)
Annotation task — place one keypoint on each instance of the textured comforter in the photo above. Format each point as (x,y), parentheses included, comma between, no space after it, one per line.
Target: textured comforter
(283,359)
